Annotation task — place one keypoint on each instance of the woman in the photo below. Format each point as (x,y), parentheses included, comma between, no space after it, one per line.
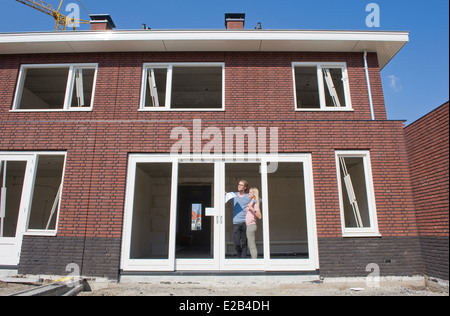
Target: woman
(252,212)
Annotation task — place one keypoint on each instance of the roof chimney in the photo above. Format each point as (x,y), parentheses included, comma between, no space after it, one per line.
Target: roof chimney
(234,21)
(101,22)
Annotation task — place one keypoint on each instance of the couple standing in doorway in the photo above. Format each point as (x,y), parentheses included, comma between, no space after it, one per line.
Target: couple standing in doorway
(246,211)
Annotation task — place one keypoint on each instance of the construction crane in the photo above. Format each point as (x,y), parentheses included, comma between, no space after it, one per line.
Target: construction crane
(61,20)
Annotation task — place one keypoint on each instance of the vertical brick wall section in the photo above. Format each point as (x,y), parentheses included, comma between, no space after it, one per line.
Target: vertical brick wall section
(428,148)
(259,93)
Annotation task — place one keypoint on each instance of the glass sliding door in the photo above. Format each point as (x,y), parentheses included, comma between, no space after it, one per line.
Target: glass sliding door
(291,222)
(190,216)
(148,221)
(243,240)
(197,222)
(151,211)
(288,226)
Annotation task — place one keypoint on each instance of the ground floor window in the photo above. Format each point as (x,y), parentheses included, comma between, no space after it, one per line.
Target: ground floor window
(178,217)
(30,195)
(356,194)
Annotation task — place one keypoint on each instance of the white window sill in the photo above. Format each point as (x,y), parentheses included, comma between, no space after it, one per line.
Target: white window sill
(50,110)
(325,110)
(179,110)
(46,233)
(360,234)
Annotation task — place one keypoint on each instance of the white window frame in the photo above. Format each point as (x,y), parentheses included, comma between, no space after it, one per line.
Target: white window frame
(371,231)
(220,262)
(322,85)
(69,87)
(46,232)
(29,186)
(169,67)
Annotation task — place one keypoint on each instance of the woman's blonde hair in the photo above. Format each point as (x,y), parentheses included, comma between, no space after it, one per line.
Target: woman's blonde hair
(256,194)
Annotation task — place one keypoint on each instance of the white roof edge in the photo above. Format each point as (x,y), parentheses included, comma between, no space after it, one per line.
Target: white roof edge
(204,35)
(386,43)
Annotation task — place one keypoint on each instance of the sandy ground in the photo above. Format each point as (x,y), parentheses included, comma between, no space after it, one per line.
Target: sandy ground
(238,289)
(261,289)
(10,288)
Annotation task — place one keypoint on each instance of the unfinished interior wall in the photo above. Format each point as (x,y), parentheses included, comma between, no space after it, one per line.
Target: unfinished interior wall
(287,211)
(197,87)
(151,211)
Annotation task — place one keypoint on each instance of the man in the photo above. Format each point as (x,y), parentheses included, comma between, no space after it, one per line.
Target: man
(240,202)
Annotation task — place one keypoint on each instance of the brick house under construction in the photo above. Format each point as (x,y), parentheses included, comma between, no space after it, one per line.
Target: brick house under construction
(110,138)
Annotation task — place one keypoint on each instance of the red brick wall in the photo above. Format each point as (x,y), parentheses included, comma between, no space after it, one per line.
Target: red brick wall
(428,147)
(258,87)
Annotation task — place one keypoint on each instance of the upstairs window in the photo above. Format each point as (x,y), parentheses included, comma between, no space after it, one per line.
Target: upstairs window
(56,87)
(197,86)
(321,86)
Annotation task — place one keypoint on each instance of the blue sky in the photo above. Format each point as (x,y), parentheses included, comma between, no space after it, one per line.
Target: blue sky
(415,82)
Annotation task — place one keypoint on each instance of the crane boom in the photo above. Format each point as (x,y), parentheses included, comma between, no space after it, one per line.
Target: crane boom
(60,19)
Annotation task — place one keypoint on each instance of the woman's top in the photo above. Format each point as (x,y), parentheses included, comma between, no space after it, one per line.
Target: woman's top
(250,217)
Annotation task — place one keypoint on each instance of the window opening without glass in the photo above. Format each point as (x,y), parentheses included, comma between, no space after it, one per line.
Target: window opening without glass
(332,84)
(46,193)
(183,86)
(156,87)
(356,194)
(350,192)
(321,86)
(84,83)
(55,87)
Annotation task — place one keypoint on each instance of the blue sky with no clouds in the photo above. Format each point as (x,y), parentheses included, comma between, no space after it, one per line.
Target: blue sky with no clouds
(415,82)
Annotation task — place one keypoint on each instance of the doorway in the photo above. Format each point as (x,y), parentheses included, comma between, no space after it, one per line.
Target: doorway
(193,239)
(177,219)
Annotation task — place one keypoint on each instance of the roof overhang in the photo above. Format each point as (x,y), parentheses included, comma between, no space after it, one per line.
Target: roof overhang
(386,44)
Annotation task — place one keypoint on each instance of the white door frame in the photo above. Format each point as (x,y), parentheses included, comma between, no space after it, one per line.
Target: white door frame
(147,264)
(219,262)
(10,247)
